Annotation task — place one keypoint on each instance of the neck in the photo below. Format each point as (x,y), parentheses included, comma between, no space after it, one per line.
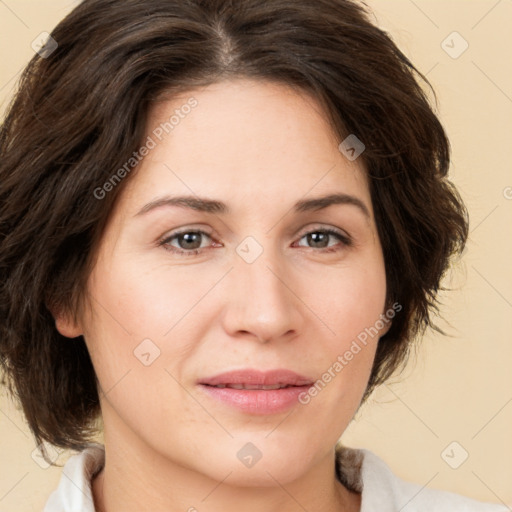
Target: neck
(137,477)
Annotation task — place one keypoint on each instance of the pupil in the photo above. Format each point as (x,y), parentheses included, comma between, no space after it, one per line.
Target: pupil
(317,237)
(189,239)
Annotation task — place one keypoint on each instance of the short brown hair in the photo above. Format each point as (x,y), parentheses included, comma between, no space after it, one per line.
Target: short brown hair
(80,113)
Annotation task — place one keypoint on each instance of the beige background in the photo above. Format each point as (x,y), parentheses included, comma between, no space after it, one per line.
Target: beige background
(460,388)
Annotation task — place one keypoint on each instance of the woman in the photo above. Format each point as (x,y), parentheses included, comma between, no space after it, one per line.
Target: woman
(223,223)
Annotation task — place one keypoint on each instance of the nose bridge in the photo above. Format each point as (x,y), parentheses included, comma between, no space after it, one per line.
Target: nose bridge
(263,303)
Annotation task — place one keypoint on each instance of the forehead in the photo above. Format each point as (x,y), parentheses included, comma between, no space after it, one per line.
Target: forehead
(254,142)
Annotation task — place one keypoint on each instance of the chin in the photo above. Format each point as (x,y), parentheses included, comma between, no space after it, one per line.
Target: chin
(253,461)
(267,474)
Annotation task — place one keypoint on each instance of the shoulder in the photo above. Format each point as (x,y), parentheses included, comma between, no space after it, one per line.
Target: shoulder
(74,490)
(363,471)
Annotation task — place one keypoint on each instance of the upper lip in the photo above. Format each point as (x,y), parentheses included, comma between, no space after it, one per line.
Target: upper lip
(258,378)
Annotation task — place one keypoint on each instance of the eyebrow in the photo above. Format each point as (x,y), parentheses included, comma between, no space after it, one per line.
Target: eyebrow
(214,206)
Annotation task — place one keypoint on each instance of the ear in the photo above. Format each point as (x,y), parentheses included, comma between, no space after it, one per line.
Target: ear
(387,321)
(385,329)
(65,325)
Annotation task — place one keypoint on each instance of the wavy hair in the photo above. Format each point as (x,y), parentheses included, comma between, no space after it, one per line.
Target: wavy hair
(80,112)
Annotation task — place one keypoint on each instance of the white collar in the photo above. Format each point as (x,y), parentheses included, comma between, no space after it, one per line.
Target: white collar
(358,469)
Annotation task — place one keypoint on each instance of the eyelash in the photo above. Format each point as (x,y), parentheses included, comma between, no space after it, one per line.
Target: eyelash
(346,241)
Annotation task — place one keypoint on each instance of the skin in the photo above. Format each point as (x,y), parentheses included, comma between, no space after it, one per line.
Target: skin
(259,147)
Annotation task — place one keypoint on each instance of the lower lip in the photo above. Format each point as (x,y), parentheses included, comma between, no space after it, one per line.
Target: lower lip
(258,401)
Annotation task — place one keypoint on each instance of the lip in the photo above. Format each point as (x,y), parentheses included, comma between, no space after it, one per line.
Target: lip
(258,378)
(257,401)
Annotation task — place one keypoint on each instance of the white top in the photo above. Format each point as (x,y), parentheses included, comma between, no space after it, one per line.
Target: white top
(358,469)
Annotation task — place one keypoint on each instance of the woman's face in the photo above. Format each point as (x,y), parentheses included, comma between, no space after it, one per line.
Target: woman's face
(254,285)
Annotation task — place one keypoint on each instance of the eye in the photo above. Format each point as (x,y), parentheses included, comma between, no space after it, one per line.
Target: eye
(320,237)
(188,243)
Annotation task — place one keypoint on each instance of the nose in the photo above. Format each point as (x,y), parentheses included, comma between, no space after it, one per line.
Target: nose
(262,304)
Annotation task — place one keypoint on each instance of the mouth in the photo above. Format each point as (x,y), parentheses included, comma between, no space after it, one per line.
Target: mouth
(252,386)
(257,379)
(256,392)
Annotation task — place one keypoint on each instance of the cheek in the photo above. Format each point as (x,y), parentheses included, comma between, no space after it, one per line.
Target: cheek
(352,311)
(125,331)
(145,325)
(132,357)
(138,301)
(350,300)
